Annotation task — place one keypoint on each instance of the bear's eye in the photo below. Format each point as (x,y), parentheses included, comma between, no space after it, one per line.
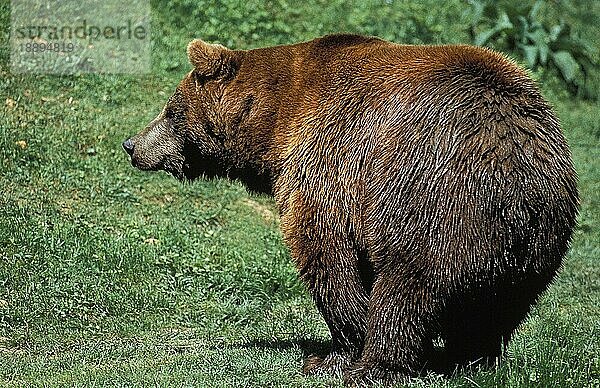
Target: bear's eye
(169,113)
(176,117)
(173,109)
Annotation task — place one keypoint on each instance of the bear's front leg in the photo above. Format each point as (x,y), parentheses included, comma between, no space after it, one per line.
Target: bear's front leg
(402,315)
(334,282)
(330,267)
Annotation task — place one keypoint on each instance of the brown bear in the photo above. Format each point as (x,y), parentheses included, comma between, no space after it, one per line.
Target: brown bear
(426,193)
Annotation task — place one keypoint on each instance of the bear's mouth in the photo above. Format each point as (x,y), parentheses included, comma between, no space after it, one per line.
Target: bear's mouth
(144,166)
(204,168)
(192,165)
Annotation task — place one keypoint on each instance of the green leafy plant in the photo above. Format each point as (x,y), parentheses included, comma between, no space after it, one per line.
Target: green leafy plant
(522,31)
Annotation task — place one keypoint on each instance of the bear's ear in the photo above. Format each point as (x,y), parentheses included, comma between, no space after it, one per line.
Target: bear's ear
(210,59)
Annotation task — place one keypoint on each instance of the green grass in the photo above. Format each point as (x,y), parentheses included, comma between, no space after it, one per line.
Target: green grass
(112,276)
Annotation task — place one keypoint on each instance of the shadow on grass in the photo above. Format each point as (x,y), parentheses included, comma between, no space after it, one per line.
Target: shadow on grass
(438,362)
(307,346)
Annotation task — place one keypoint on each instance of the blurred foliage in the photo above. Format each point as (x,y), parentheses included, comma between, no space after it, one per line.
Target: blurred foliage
(548,36)
(284,21)
(520,29)
(256,23)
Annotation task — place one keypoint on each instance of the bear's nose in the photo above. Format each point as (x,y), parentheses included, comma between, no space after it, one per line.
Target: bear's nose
(128,146)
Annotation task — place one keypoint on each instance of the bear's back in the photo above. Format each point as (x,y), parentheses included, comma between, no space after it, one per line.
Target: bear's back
(446,148)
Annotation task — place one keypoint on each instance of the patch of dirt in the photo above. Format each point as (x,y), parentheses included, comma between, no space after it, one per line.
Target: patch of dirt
(266,212)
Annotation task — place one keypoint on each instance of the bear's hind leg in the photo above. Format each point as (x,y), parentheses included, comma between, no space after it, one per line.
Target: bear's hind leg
(474,344)
(478,331)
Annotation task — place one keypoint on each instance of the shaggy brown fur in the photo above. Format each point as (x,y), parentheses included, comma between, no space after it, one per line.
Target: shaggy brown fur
(424,191)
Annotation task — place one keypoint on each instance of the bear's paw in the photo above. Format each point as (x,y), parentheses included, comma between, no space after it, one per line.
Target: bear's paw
(332,365)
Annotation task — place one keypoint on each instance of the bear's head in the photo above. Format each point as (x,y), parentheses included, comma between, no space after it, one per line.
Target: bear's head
(187,138)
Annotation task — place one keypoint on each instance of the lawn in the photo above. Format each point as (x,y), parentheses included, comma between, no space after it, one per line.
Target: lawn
(112,276)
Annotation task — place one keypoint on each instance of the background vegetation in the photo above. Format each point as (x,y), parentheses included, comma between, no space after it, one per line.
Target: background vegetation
(111,276)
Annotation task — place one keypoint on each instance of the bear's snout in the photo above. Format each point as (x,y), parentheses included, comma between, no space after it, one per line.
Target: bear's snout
(128,146)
